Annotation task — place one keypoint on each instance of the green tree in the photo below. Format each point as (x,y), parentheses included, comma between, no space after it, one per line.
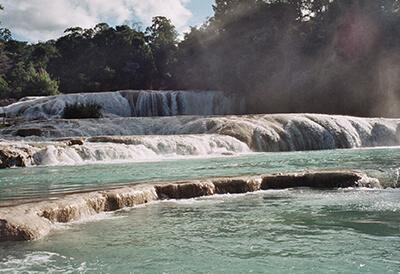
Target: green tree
(163,39)
(40,84)
(4,60)
(42,53)
(25,80)
(102,58)
(4,88)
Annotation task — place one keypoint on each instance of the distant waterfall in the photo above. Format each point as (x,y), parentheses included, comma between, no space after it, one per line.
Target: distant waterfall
(145,103)
(148,103)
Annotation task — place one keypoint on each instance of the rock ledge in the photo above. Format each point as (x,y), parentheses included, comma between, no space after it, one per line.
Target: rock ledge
(35,220)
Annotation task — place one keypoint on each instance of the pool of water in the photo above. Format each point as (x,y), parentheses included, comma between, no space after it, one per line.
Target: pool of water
(290,231)
(383,163)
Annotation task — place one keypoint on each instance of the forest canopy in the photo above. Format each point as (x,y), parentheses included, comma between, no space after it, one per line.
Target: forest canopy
(328,56)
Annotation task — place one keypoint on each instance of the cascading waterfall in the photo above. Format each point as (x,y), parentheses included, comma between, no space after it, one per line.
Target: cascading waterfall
(150,103)
(137,148)
(113,104)
(279,132)
(146,103)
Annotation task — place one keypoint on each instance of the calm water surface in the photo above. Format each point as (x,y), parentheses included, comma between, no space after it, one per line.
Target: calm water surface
(383,163)
(292,231)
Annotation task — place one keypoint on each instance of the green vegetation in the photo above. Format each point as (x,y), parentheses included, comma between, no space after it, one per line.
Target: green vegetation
(25,80)
(331,56)
(23,68)
(82,111)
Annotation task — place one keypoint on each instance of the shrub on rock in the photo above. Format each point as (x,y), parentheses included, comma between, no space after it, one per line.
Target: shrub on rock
(82,111)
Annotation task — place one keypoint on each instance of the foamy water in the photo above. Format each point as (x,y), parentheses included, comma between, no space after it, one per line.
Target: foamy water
(275,132)
(136,149)
(132,103)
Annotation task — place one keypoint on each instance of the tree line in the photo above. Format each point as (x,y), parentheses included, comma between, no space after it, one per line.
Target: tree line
(329,56)
(87,60)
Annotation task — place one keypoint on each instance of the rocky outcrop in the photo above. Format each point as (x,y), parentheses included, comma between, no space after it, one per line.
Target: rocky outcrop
(185,190)
(15,157)
(36,219)
(312,180)
(75,142)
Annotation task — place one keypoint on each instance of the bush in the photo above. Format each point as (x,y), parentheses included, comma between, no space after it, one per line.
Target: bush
(82,111)
(4,88)
(41,84)
(26,80)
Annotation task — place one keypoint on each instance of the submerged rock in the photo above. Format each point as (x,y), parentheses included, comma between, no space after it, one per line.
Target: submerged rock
(36,219)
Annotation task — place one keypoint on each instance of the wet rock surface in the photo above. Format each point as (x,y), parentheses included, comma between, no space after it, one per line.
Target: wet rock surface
(15,157)
(25,132)
(261,132)
(313,180)
(35,220)
(79,150)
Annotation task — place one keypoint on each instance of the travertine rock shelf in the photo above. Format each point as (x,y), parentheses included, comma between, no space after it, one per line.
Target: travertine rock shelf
(35,220)
(75,142)
(261,132)
(131,103)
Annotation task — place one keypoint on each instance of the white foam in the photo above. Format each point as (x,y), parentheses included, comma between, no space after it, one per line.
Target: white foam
(145,148)
(41,262)
(267,133)
(367,181)
(131,103)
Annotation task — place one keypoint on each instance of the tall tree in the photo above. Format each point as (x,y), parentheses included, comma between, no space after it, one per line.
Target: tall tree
(102,58)
(5,35)
(163,40)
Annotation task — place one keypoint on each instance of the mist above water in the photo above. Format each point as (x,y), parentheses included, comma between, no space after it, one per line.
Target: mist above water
(337,57)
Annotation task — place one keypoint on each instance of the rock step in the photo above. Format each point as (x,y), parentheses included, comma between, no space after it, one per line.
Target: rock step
(35,220)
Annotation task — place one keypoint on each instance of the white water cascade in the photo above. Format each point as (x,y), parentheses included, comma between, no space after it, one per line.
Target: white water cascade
(137,148)
(172,103)
(274,132)
(146,103)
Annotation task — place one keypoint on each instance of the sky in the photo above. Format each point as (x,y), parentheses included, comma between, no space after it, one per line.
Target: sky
(41,20)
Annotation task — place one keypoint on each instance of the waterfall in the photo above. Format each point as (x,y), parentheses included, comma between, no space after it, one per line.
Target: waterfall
(273,132)
(113,104)
(137,148)
(148,103)
(145,103)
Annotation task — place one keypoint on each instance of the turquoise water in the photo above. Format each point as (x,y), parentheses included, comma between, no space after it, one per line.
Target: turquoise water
(383,163)
(289,231)
(292,231)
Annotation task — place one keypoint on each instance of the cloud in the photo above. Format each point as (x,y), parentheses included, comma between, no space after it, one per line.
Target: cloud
(35,20)
(173,9)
